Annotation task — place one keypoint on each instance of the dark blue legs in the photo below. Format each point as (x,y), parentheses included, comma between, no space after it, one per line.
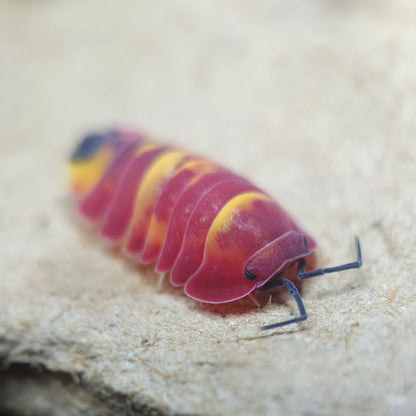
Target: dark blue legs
(278,281)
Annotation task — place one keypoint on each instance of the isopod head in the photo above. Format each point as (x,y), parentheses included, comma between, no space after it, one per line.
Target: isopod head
(247,244)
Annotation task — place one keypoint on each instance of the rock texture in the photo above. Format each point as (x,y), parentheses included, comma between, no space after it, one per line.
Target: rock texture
(314,101)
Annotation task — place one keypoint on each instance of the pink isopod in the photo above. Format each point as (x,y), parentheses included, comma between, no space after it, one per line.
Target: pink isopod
(218,235)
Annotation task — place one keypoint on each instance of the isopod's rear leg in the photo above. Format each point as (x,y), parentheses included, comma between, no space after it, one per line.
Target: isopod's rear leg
(160,280)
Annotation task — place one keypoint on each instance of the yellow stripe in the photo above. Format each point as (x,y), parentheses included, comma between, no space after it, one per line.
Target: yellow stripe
(84,174)
(145,146)
(158,171)
(157,228)
(234,206)
(152,181)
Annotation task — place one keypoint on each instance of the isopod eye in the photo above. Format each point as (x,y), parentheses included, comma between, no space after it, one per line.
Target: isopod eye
(306,241)
(250,275)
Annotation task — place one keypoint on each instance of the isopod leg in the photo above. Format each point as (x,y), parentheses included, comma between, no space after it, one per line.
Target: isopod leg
(278,281)
(295,293)
(160,281)
(355,265)
(254,300)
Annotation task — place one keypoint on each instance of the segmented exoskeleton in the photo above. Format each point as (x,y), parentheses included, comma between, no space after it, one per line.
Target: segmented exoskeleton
(217,234)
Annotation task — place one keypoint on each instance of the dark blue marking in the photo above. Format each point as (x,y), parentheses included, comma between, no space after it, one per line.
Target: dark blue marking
(88,146)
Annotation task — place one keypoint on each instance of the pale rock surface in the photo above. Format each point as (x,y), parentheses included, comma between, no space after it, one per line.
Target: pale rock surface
(315,101)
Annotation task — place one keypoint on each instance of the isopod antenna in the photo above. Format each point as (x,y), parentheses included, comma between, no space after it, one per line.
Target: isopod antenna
(278,281)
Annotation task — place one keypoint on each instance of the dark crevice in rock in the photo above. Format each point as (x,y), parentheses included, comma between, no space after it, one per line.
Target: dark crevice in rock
(27,389)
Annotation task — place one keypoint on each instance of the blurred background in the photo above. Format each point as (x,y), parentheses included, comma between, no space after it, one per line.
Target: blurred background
(312,100)
(218,73)
(304,82)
